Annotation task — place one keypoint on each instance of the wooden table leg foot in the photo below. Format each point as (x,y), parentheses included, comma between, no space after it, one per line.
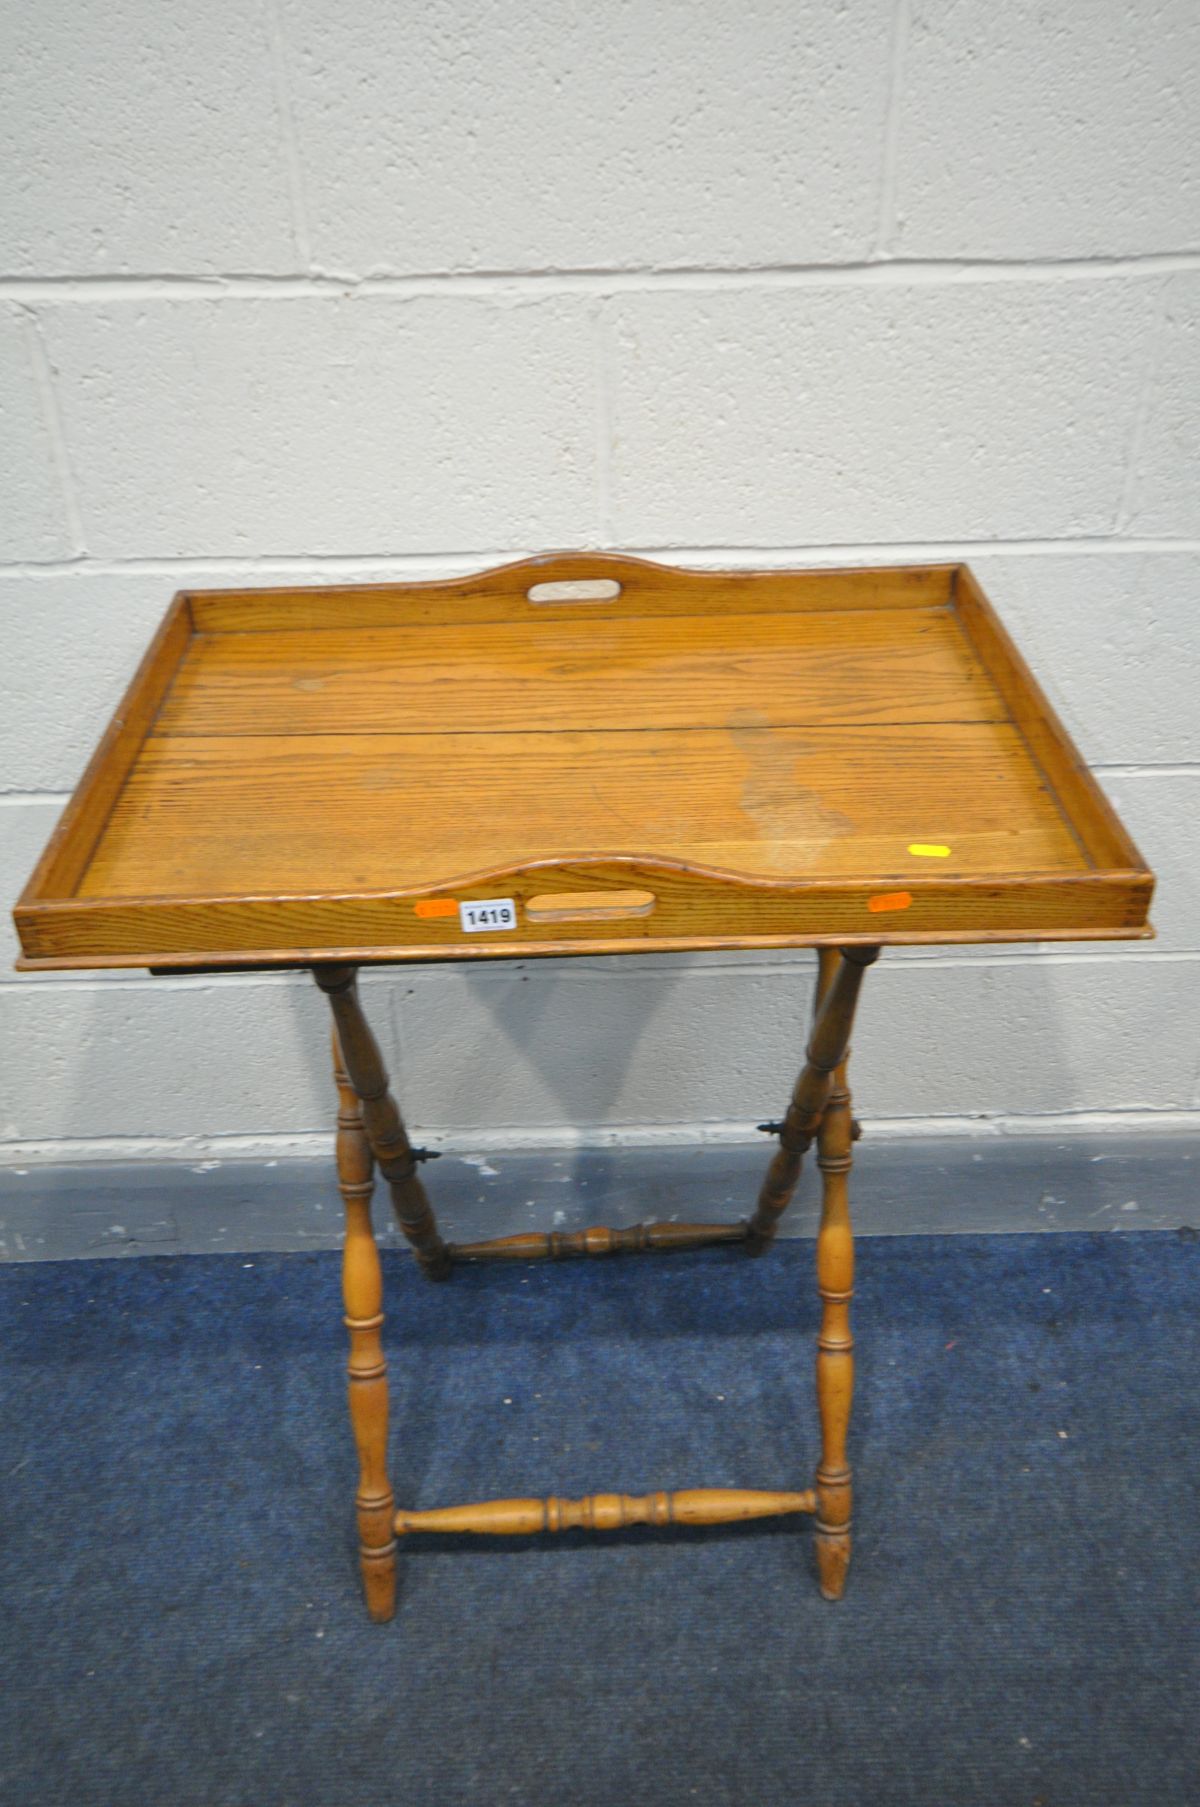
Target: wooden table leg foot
(378,1566)
(833,1560)
(438,1266)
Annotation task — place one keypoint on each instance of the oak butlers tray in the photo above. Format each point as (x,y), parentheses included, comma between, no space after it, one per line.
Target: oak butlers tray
(513,764)
(750,759)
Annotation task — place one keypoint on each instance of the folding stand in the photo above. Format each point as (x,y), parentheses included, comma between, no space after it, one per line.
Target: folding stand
(371,1134)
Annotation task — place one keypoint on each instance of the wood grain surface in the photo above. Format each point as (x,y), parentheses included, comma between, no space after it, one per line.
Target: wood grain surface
(252,813)
(771,756)
(847,667)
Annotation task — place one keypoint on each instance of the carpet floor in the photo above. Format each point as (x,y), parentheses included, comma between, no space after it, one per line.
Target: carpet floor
(181,1613)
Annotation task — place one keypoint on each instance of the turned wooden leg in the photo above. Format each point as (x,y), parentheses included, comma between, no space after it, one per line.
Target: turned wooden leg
(835,1344)
(362,1292)
(384,1126)
(841,973)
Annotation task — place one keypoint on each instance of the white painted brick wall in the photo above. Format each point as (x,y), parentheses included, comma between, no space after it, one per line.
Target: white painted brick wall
(1028,130)
(307,292)
(139,137)
(33,522)
(1165,493)
(626,135)
(848,413)
(327,425)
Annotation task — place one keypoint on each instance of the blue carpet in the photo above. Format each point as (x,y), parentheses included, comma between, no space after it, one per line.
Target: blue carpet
(181,1613)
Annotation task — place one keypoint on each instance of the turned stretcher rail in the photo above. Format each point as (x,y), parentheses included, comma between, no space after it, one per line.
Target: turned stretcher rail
(607,1511)
(558,1245)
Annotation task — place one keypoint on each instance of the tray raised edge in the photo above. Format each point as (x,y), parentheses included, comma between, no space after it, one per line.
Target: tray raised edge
(695,908)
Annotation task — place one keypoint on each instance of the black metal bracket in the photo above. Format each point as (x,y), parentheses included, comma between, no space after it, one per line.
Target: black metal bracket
(776,1129)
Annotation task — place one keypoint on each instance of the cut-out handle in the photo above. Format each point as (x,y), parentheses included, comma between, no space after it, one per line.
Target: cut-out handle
(588,906)
(576,589)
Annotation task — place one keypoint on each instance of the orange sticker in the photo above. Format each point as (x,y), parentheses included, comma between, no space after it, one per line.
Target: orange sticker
(436,906)
(889,900)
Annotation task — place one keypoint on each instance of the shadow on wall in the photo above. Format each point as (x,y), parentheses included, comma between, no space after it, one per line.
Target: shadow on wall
(589,1048)
(564,1047)
(684,1047)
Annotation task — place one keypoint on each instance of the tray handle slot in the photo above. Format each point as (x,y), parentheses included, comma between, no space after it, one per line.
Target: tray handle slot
(575,590)
(588,906)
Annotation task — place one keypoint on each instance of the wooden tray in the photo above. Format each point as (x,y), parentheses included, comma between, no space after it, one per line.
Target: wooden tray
(728,759)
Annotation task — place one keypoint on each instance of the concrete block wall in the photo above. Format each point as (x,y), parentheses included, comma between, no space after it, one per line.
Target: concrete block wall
(298,292)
